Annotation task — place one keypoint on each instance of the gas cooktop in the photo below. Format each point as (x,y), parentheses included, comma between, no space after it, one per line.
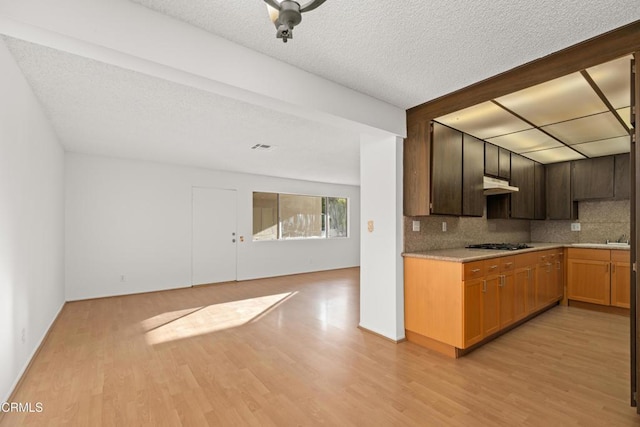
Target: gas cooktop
(500,246)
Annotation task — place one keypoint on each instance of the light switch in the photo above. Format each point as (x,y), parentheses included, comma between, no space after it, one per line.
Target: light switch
(575,226)
(370,226)
(416,225)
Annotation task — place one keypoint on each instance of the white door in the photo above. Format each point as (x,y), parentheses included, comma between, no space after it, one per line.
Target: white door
(214,237)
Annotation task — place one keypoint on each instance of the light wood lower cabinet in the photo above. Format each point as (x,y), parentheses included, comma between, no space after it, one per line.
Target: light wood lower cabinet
(460,304)
(599,276)
(473,290)
(620,279)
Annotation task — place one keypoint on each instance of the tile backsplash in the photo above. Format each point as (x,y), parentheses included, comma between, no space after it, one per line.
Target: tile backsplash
(599,221)
(462,231)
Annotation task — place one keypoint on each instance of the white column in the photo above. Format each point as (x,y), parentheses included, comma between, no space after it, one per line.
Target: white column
(381,268)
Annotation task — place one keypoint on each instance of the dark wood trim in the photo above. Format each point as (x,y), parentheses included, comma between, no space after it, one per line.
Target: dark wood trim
(603,98)
(606,47)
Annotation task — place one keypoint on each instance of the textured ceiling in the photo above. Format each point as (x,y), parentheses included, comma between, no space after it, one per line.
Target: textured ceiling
(409,52)
(102,109)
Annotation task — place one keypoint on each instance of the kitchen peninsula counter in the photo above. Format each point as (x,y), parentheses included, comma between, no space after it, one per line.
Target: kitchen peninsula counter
(465,255)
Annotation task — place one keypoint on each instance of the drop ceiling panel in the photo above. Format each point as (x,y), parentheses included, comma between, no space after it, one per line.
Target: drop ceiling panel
(605,147)
(625,113)
(528,140)
(484,121)
(555,101)
(585,129)
(614,79)
(554,155)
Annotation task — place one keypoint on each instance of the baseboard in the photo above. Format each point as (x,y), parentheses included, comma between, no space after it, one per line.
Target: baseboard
(600,308)
(369,331)
(34,353)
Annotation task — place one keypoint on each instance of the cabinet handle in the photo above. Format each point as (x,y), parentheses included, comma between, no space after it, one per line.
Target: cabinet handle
(501,284)
(558,262)
(493,267)
(508,264)
(475,270)
(548,267)
(484,286)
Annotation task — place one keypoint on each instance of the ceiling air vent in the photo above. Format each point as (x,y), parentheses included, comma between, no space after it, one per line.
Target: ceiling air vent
(262,147)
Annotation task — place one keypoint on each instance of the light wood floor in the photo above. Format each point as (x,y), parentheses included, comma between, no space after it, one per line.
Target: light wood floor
(287,351)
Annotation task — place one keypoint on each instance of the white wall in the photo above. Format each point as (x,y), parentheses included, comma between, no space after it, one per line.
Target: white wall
(133,218)
(381,269)
(31,224)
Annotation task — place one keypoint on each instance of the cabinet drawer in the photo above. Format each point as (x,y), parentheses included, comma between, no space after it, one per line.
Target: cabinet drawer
(589,254)
(526,260)
(621,256)
(492,266)
(544,257)
(474,270)
(507,263)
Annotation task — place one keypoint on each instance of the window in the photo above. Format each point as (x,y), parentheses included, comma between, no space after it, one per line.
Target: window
(291,216)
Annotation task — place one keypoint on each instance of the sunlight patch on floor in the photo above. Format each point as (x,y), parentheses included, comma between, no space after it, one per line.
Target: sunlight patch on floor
(197,321)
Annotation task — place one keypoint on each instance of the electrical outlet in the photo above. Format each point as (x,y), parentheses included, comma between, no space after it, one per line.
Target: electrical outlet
(575,226)
(444,226)
(416,225)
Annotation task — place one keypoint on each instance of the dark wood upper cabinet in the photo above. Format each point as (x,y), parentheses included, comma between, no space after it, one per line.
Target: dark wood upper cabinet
(560,204)
(491,159)
(472,176)
(523,177)
(417,169)
(497,161)
(539,202)
(622,177)
(504,163)
(593,178)
(446,171)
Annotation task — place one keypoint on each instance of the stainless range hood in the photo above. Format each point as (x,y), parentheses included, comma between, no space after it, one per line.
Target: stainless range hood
(497,186)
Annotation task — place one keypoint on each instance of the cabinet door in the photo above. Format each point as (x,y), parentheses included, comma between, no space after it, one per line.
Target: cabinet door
(417,169)
(621,284)
(539,202)
(491,159)
(560,204)
(504,163)
(530,295)
(621,279)
(491,305)
(593,178)
(446,171)
(472,176)
(520,292)
(588,281)
(472,324)
(507,300)
(544,283)
(559,279)
(622,177)
(522,176)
